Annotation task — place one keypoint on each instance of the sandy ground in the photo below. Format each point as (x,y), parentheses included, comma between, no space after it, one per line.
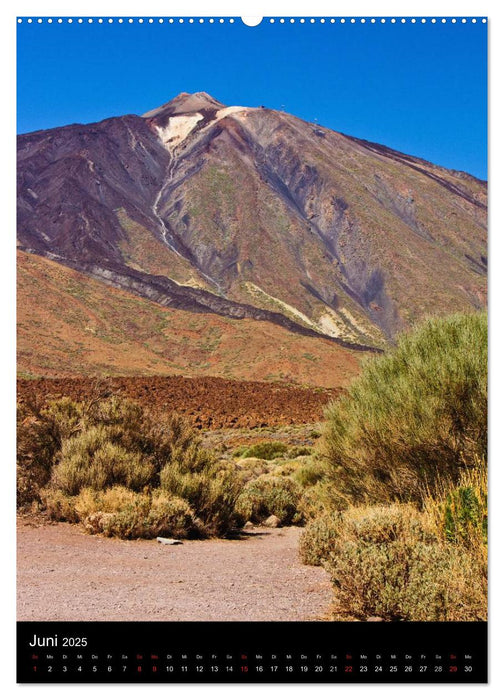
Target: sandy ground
(65,574)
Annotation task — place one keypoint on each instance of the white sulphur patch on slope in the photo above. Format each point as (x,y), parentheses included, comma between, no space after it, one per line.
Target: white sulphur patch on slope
(180,126)
(177,129)
(228,110)
(329,323)
(279,303)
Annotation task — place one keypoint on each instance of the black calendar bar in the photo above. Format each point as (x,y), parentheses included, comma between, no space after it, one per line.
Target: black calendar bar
(251,652)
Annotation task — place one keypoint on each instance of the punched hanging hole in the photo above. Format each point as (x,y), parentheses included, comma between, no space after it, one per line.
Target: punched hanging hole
(252,21)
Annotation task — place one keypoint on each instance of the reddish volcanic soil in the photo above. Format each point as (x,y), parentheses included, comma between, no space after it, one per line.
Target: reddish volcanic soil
(208,402)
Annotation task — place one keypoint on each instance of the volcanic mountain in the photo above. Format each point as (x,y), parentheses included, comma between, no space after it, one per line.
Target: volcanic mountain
(251,213)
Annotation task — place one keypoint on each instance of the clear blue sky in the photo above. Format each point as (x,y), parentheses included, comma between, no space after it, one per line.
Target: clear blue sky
(418,88)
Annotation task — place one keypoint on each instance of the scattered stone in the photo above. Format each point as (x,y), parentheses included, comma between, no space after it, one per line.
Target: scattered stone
(272,521)
(166,540)
(248,525)
(375,619)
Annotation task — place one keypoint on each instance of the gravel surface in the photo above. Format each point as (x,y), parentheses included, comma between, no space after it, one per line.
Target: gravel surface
(65,574)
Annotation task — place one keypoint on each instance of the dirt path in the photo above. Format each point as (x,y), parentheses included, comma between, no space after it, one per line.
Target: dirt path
(65,574)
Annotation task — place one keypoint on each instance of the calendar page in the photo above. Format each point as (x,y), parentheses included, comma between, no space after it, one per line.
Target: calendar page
(252,349)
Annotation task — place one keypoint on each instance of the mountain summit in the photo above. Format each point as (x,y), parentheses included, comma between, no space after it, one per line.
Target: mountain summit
(185,103)
(254,213)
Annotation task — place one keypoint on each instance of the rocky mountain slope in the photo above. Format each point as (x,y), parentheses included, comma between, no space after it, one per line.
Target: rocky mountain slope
(251,213)
(70,324)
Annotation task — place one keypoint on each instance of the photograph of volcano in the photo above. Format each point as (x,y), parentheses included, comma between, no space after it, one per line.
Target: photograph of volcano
(252,329)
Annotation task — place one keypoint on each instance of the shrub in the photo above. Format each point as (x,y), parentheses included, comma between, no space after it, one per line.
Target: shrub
(193,458)
(59,505)
(300,451)
(408,581)
(270,495)
(132,427)
(112,500)
(162,517)
(238,453)
(460,514)
(415,416)
(172,516)
(126,430)
(41,429)
(250,468)
(265,450)
(317,540)
(120,512)
(386,561)
(309,473)
(209,487)
(411,431)
(104,463)
(284,467)
(378,525)
(77,508)
(320,499)
(91,459)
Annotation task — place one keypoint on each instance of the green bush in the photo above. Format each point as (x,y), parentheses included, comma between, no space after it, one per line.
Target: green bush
(111,500)
(168,517)
(321,499)
(238,453)
(59,505)
(309,473)
(270,495)
(210,488)
(460,513)
(285,467)
(415,417)
(48,432)
(377,525)
(408,581)
(463,513)
(300,451)
(91,459)
(172,516)
(411,436)
(265,450)
(132,427)
(250,468)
